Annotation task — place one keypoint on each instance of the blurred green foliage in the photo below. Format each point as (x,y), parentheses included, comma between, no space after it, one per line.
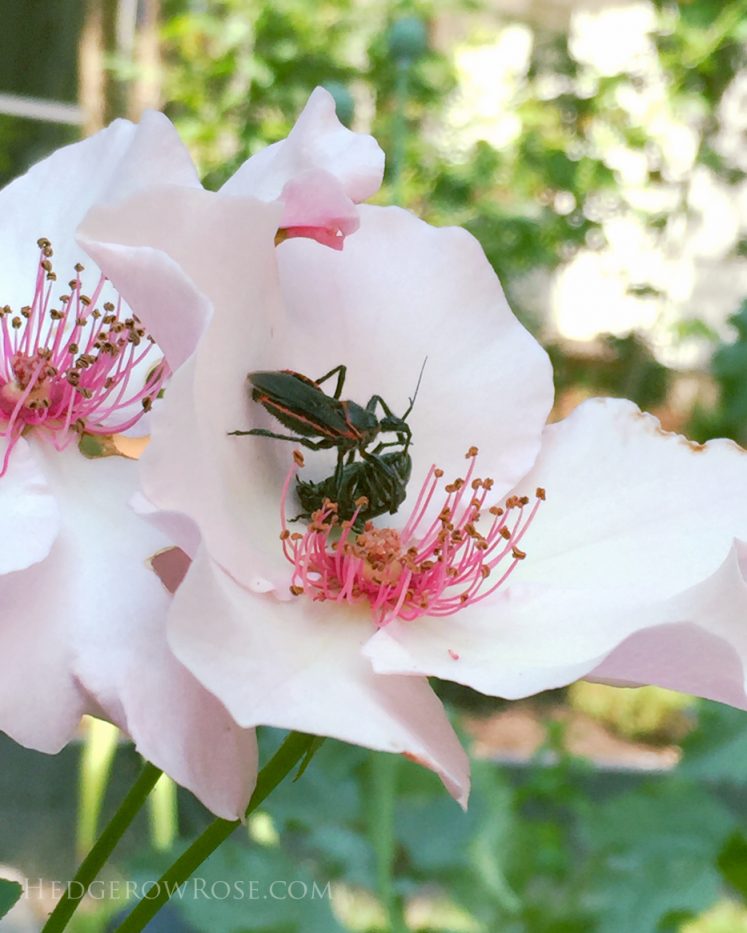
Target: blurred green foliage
(648,713)
(728,418)
(38,58)
(551,847)
(619,366)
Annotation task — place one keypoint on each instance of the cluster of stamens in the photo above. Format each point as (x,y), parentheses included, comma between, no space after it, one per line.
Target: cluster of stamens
(433,566)
(67,370)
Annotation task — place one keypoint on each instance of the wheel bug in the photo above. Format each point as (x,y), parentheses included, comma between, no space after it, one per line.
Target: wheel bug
(322,421)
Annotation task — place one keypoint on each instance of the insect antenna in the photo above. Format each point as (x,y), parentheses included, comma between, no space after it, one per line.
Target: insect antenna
(417,387)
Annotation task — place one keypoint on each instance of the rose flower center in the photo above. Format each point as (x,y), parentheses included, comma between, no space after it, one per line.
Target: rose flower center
(76,368)
(433,566)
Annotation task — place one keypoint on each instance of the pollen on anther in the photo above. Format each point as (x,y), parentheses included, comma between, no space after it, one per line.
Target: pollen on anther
(65,371)
(433,566)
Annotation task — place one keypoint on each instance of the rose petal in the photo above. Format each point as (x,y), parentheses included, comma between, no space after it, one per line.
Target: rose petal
(634,519)
(29,517)
(52,197)
(630,504)
(317,141)
(707,658)
(177,527)
(84,631)
(173,311)
(402,293)
(298,666)
(226,247)
(516,644)
(315,203)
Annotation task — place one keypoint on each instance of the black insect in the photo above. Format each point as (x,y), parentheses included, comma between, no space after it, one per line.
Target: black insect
(383,489)
(300,404)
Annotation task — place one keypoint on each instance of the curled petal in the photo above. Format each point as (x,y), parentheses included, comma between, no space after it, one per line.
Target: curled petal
(175,313)
(315,206)
(702,649)
(317,141)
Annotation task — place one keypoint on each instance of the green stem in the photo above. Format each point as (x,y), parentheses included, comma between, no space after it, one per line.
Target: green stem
(96,760)
(92,863)
(384,769)
(163,814)
(293,749)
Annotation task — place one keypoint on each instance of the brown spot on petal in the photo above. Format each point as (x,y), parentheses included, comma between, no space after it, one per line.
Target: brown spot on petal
(170,566)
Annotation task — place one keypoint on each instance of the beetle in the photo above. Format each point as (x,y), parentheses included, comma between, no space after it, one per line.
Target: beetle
(384,489)
(300,404)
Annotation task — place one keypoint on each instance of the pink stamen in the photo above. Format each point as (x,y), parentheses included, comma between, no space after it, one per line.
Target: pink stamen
(74,375)
(435,571)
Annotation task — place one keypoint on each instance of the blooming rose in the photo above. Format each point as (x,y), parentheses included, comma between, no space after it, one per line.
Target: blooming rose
(547,555)
(82,627)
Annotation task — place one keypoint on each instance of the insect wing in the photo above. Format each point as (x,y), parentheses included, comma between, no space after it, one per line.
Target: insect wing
(299,404)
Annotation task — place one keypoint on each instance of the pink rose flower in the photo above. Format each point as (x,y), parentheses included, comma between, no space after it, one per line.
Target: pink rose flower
(83,620)
(553,553)
(83,624)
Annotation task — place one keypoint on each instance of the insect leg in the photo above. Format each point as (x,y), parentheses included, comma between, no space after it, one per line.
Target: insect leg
(386,484)
(391,422)
(339,472)
(381,466)
(304,441)
(405,441)
(378,400)
(341,371)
